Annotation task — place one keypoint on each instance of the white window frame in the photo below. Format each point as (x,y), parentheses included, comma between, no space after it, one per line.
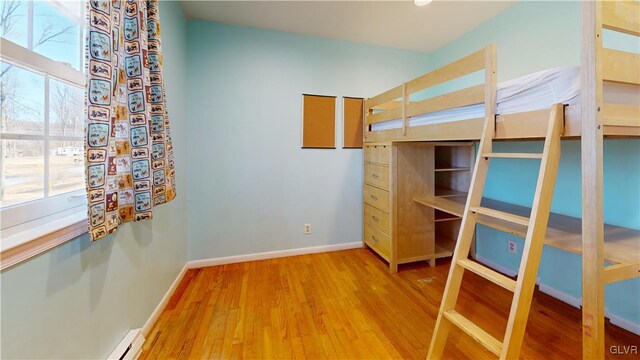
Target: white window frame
(30,228)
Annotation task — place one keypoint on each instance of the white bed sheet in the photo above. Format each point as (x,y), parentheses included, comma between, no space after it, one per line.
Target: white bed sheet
(534,91)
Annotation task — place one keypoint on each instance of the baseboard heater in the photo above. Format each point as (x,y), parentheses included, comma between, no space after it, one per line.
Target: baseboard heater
(129,348)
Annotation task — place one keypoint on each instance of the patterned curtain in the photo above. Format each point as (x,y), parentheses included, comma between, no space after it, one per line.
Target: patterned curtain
(129,163)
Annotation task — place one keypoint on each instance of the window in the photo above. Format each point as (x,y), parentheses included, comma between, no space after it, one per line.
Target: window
(41,111)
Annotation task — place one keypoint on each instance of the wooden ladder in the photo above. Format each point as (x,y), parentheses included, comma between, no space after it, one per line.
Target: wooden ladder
(537,226)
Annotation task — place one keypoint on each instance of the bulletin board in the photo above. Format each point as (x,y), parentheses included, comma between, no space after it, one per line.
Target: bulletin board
(352,118)
(319,121)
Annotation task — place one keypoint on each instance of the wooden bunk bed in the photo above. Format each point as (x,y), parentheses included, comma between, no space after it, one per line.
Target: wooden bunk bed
(607,76)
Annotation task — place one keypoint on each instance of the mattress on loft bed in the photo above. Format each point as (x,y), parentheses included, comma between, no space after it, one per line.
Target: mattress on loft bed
(531,92)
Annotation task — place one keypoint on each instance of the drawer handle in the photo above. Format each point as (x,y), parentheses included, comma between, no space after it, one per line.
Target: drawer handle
(373,237)
(375,218)
(373,197)
(375,176)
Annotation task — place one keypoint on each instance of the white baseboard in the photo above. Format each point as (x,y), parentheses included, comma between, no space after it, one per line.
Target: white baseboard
(562,296)
(577,303)
(194,264)
(495,266)
(129,348)
(146,329)
(623,323)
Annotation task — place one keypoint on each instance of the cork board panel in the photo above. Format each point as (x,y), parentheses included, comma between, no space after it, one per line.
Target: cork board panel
(319,122)
(352,118)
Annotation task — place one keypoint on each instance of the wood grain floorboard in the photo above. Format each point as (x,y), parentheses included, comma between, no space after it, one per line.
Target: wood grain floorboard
(345,305)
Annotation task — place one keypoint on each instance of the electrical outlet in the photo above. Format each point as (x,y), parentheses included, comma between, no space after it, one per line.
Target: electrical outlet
(512,246)
(307,229)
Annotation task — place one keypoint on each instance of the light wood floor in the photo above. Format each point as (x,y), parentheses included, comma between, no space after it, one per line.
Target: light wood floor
(346,305)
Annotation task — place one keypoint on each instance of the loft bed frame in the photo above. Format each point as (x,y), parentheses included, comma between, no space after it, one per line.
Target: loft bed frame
(599,115)
(395,104)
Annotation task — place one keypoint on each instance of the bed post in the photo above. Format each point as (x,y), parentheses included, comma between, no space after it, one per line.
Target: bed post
(592,184)
(365,128)
(405,100)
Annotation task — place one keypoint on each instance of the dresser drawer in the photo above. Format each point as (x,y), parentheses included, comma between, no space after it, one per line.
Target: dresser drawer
(377,219)
(377,154)
(377,198)
(377,240)
(376,175)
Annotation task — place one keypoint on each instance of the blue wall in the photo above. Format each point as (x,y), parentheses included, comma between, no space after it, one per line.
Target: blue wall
(80,299)
(252,188)
(532,36)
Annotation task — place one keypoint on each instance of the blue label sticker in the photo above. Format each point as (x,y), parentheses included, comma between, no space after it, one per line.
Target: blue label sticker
(139,136)
(133,66)
(143,201)
(140,169)
(98,134)
(153,29)
(136,102)
(96,175)
(130,28)
(157,123)
(157,151)
(99,92)
(99,46)
(97,214)
(155,94)
(154,63)
(158,177)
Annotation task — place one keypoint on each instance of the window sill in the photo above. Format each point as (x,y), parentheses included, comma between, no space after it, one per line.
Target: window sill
(31,242)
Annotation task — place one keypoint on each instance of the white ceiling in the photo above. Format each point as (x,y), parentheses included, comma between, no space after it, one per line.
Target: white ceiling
(398,24)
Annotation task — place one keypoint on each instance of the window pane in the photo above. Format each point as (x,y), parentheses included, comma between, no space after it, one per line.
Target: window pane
(73,8)
(66,166)
(66,109)
(22,177)
(13,21)
(21,100)
(55,35)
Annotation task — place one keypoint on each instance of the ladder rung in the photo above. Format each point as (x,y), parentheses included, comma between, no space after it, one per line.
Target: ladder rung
(497,214)
(493,276)
(513,155)
(474,331)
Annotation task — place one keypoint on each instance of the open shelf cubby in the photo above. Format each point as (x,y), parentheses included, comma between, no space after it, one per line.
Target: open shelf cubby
(446,194)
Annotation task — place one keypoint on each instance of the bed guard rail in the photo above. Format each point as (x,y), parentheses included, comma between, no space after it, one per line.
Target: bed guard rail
(619,67)
(395,104)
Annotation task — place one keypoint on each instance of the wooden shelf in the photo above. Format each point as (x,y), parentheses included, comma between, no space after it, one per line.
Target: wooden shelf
(622,245)
(452,143)
(452,205)
(442,252)
(443,216)
(450,169)
(445,192)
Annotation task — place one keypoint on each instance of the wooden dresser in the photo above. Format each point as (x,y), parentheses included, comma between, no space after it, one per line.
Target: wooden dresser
(400,181)
(376,192)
